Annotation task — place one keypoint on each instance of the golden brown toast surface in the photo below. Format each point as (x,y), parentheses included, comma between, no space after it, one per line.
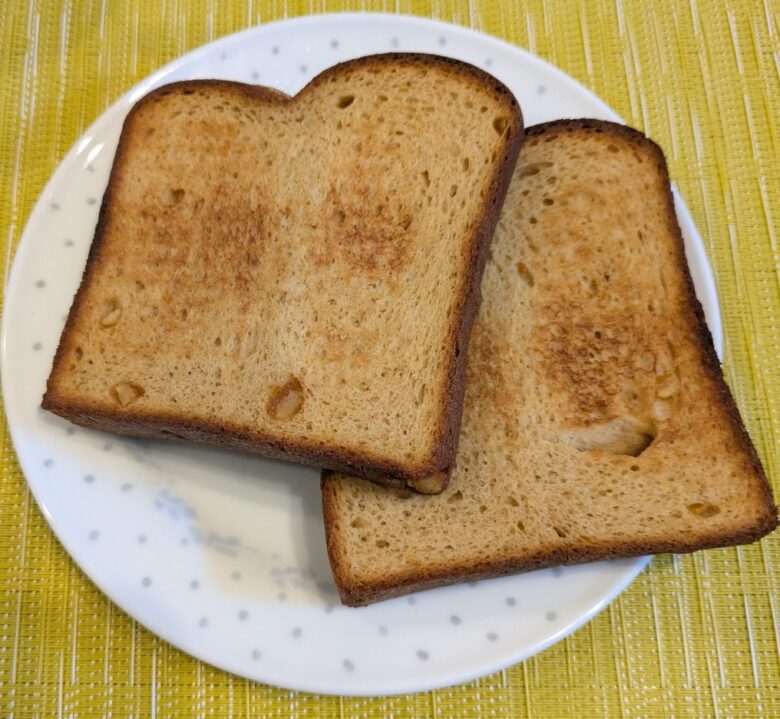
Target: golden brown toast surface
(295,276)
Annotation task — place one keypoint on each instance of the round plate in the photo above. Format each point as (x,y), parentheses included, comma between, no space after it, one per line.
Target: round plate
(223,554)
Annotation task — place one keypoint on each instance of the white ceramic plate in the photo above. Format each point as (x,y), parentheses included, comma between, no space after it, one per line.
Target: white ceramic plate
(223,554)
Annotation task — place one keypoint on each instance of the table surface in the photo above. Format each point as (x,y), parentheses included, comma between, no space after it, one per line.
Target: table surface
(694,636)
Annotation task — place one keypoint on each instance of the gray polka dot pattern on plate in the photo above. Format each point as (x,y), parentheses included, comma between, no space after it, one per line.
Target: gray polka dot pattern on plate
(37,346)
(255,75)
(194,584)
(54,206)
(204,622)
(94,535)
(243,615)
(68,243)
(141,539)
(91,201)
(348,665)
(48,463)
(511,601)
(455,619)
(383,631)
(146,582)
(40,284)
(334,44)
(126,487)
(557,571)
(423,655)
(256,654)
(492,636)
(551,616)
(89,478)
(297,632)
(235,576)
(395,42)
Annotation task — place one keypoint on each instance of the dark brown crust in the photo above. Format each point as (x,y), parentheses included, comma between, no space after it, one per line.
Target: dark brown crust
(360,463)
(355,593)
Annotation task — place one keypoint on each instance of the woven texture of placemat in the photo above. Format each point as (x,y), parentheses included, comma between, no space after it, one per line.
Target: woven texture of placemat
(695,636)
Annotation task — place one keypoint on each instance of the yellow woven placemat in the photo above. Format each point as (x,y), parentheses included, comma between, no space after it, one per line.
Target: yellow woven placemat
(694,636)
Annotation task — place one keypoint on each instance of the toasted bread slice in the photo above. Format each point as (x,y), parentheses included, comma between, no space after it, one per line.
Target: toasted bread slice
(295,276)
(597,423)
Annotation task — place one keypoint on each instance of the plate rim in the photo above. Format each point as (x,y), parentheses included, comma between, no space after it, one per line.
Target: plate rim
(122,104)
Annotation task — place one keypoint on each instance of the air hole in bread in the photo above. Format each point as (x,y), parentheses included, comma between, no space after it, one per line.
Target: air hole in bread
(512,502)
(525,273)
(627,435)
(499,124)
(548,201)
(426,178)
(110,313)
(345,101)
(382,543)
(174,196)
(79,353)
(453,190)
(560,532)
(218,342)
(466,163)
(613,148)
(703,509)
(286,400)
(521,526)
(532,220)
(127,392)
(358,523)
(455,497)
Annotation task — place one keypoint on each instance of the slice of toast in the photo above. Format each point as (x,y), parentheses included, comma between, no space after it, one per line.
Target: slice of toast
(597,423)
(295,276)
